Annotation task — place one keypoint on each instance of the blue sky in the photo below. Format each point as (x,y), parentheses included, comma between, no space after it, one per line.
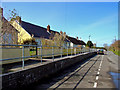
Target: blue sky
(98,19)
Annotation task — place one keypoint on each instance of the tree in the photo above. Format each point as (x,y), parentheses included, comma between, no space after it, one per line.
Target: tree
(15,20)
(30,42)
(106,46)
(13,15)
(56,39)
(115,46)
(59,39)
(89,44)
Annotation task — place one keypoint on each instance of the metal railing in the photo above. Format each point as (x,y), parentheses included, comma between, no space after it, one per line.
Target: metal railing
(38,51)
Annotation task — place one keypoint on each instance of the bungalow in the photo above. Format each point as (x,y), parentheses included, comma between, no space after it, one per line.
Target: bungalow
(8,34)
(29,31)
(74,42)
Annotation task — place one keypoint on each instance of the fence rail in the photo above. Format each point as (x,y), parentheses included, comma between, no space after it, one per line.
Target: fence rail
(23,52)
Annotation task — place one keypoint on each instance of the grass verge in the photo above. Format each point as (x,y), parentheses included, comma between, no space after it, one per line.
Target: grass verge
(117,52)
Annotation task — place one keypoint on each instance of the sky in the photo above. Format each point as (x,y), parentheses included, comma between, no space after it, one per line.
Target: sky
(97,19)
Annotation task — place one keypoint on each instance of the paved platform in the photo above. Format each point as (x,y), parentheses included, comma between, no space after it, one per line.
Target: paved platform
(32,62)
(94,73)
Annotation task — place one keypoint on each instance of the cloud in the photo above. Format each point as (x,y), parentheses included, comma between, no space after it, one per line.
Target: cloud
(101,22)
(94,30)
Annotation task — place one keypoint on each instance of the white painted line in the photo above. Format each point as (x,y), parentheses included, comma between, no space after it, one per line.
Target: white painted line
(99,69)
(97,77)
(95,85)
(101,61)
(98,73)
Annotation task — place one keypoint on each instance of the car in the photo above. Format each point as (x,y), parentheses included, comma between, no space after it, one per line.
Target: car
(101,51)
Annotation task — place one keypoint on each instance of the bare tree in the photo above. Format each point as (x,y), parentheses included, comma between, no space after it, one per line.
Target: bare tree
(58,39)
(115,46)
(106,46)
(8,32)
(55,40)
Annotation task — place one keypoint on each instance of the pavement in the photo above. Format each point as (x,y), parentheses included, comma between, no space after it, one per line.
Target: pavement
(92,73)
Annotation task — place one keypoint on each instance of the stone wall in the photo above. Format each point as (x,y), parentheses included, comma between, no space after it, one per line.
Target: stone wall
(28,76)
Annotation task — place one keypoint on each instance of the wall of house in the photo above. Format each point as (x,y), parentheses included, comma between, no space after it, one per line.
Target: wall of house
(67,44)
(38,40)
(72,45)
(75,45)
(9,34)
(23,34)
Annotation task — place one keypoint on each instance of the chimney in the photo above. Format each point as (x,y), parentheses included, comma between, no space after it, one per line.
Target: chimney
(1,12)
(61,32)
(64,33)
(18,18)
(32,35)
(77,38)
(80,38)
(48,28)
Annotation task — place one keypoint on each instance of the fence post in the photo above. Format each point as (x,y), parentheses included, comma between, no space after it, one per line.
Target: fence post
(36,51)
(75,51)
(22,57)
(71,51)
(61,51)
(80,50)
(67,50)
(41,53)
(53,53)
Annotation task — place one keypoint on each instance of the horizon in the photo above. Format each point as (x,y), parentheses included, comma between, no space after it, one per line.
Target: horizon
(98,19)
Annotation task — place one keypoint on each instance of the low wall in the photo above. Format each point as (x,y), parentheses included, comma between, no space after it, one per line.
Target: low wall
(28,76)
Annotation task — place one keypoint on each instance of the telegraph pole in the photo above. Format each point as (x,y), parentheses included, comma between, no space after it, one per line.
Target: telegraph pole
(115,38)
(96,43)
(89,37)
(89,40)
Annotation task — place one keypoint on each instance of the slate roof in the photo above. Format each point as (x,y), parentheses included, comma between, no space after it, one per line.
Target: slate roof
(37,31)
(75,41)
(81,42)
(41,32)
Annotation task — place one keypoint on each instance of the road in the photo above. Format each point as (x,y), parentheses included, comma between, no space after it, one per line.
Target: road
(92,73)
